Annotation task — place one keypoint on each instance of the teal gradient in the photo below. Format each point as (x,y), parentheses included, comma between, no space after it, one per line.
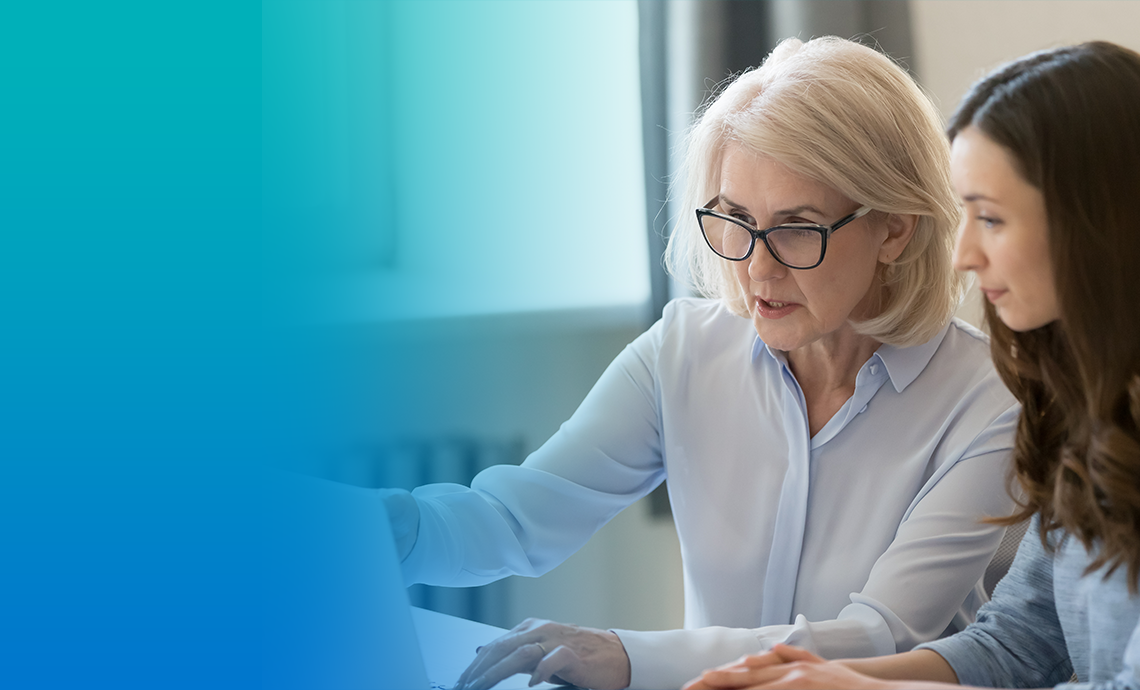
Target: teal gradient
(198,201)
(461,158)
(457,188)
(139,387)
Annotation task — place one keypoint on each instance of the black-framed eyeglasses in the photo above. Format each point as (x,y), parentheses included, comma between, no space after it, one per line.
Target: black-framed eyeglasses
(795,245)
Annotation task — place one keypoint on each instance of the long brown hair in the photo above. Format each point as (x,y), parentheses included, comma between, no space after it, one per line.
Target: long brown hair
(1070,120)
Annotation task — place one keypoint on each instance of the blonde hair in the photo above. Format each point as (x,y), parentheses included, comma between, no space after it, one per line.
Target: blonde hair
(842,114)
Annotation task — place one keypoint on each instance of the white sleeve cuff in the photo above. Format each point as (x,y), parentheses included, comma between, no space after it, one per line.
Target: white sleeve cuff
(670,658)
(667,659)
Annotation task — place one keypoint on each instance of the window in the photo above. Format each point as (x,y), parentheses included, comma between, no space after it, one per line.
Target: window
(460,158)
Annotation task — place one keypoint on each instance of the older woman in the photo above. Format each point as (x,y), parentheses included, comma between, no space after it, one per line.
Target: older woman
(830,436)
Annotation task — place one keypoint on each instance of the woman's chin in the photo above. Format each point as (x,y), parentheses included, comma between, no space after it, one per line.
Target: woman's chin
(1020,321)
(779,336)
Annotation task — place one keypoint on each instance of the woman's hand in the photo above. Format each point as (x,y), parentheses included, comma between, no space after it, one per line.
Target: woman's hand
(743,671)
(551,652)
(783,667)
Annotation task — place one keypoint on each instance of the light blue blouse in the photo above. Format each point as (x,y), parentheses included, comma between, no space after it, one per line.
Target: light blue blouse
(1049,620)
(861,540)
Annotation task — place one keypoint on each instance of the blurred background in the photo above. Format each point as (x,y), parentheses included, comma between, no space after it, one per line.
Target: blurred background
(487,182)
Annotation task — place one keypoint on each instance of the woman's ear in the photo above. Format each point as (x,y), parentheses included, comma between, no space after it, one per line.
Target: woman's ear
(900,230)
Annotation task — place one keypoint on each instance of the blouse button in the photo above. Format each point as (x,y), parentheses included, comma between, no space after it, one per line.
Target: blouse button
(874,369)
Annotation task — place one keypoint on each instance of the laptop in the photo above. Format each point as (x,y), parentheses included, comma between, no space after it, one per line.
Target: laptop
(337,611)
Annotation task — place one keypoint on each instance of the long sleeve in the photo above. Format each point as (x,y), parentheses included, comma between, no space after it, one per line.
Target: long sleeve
(526,520)
(1049,620)
(1017,640)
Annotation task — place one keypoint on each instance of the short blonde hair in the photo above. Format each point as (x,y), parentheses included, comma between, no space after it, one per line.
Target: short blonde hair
(845,115)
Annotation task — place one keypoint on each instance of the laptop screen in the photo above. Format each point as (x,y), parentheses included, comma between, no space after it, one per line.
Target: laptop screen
(336,610)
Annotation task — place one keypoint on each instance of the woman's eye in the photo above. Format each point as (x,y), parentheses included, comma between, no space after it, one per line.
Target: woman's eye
(989,222)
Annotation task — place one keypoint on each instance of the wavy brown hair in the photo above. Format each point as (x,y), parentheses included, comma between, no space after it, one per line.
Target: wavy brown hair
(1070,120)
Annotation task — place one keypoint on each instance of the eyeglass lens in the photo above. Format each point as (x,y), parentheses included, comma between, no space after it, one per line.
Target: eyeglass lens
(792,246)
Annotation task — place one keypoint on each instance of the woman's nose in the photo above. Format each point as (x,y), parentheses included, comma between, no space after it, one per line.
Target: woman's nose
(762,265)
(968,254)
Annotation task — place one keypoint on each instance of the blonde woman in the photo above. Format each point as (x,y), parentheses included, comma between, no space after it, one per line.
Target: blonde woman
(830,436)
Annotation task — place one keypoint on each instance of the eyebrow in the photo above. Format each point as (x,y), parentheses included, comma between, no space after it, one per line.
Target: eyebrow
(794,211)
(979,197)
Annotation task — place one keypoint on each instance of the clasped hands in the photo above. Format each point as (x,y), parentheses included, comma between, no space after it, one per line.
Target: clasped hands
(551,652)
(782,667)
(589,658)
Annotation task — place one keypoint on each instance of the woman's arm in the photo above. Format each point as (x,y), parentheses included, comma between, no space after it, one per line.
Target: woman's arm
(525,520)
(1017,639)
(921,664)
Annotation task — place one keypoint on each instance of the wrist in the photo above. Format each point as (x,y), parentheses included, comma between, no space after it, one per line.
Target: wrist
(625,677)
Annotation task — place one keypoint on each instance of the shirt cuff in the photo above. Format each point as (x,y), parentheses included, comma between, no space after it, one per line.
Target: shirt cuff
(667,659)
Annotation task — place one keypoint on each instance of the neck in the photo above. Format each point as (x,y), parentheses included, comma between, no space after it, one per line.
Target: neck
(829,365)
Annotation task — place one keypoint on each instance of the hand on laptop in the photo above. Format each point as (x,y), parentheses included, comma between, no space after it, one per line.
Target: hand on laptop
(404,515)
(551,652)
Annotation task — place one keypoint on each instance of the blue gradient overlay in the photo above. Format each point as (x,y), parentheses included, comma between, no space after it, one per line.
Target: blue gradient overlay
(459,188)
(199,201)
(140,377)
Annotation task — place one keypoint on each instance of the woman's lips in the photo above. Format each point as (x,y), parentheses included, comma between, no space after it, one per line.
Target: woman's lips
(775,309)
(993,295)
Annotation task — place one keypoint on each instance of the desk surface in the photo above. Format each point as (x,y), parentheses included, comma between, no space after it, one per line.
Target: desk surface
(448,645)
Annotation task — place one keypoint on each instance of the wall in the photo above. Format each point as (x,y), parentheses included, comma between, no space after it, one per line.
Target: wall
(958,42)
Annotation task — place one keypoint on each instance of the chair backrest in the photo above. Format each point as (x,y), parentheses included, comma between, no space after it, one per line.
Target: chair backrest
(1003,558)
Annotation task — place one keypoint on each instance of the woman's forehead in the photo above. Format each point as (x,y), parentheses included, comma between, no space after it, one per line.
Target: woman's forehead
(750,179)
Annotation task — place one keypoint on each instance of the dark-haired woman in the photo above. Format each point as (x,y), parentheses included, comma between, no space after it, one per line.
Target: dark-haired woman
(1046,158)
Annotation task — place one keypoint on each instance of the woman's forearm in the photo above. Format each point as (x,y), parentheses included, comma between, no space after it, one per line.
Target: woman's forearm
(922,664)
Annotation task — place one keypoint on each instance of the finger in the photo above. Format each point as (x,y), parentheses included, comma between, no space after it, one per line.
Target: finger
(485,657)
(744,662)
(789,654)
(562,663)
(750,661)
(762,660)
(741,676)
(493,652)
(522,660)
(697,683)
(473,669)
(798,678)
